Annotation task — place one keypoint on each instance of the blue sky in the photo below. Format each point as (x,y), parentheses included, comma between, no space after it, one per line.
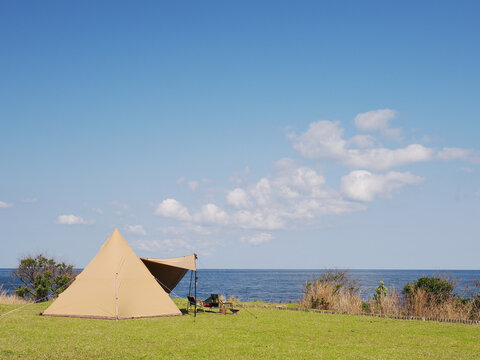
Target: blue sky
(258,134)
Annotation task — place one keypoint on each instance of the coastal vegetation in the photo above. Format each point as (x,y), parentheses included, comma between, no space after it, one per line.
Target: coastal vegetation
(427,297)
(11,299)
(271,334)
(42,277)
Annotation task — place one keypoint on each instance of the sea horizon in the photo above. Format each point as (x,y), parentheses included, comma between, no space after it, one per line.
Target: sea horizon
(285,285)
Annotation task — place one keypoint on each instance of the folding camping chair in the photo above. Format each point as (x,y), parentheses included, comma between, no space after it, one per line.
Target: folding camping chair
(192,302)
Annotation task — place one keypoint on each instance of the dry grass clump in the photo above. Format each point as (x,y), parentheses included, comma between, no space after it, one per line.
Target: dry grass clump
(234,299)
(231,299)
(426,297)
(389,304)
(332,291)
(13,299)
(422,304)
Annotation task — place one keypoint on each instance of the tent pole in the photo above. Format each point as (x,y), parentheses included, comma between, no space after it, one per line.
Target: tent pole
(196,278)
(190,286)
(116,297)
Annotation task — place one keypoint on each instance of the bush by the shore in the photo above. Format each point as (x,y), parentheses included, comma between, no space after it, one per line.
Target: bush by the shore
(11,299)
(429,297)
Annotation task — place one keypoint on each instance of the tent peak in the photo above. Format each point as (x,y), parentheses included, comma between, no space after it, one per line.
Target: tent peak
(116,234)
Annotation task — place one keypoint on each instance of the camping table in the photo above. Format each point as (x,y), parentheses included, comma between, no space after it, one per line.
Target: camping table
(229,306)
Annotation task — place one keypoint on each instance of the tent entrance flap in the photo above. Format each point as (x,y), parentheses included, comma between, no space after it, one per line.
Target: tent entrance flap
(169,272)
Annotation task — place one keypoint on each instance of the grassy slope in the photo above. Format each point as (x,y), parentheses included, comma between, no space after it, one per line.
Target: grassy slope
(273,335)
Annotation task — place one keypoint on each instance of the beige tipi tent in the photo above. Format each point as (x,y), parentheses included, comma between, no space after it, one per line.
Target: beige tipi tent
(116,284)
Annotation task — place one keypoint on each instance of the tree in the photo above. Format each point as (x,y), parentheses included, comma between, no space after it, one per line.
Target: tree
(42,277)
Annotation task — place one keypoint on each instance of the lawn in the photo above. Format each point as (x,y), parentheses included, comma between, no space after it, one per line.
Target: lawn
(273,334)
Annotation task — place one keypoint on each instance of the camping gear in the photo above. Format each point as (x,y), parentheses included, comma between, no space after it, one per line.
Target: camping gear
(197,304)
(117,284)
(212,301)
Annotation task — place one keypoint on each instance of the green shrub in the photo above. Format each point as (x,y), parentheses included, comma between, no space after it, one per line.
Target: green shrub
(42,277)
(380,292)
(366,307)
(437,287)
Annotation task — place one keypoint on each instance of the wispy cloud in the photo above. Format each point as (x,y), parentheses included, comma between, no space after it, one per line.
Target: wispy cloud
(455,153)
(292,193)
(257,239)
(136,229)
(29,200)
(324,140)
(5,205)
(374,120)
(121,207)
(466,170)
(72,220)
(362,185)
(296,196)
(193,185)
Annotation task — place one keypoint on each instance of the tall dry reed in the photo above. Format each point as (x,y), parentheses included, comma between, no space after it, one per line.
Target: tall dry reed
(333,292)
(422,304)
(326,295)
(12,299)
(389,304)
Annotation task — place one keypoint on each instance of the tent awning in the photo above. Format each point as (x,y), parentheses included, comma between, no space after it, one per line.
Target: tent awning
(169,272)
(185,262)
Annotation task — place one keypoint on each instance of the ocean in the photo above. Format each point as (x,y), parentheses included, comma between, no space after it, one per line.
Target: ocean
(286,285)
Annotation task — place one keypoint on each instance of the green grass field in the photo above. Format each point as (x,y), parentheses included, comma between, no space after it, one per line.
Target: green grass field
(274,334)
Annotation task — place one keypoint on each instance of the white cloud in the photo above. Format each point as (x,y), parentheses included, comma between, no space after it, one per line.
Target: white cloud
(393,134)
(374,120)
(265,218)
(477,193)
(448,153)
(4,205)
(171,208)
(257,239)
(136,229)
(97,210)
(186,229)
(193,185)
(383,158)
(362,185)
(292,193)
(177,246)
(179,181)
(261,191)
(240,178)
(324,140)
(121,208)
(29,200)
(71,220)
(293,181)
(120,205)
(293,196)
(238,198)
(466,170)
(362,141)
(165,246)
(211,214)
